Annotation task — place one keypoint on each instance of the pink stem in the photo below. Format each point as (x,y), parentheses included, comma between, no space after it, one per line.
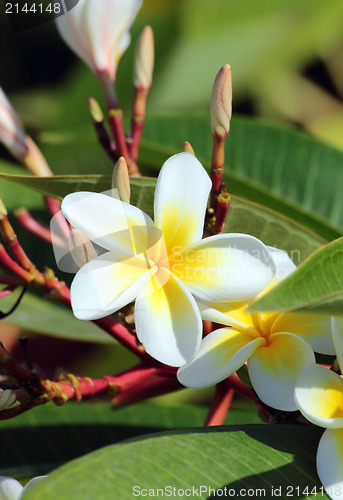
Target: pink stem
(26,220)
(220,405)
(146,390)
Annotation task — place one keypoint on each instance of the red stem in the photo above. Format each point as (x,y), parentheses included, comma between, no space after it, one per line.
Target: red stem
(115,120)
(235,383)
(217,167)
(146,390)
(104,141)
(14,368)
(78,388)
(137,124)
(137,130)
(11,280)
(223,205)
(13,244)
(12,266)
(54,208)
(220,405)
(121,334)
(24,218)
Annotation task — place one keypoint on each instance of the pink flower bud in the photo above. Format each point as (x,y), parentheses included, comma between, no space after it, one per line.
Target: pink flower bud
(144,60)
(221,102)
(98,31)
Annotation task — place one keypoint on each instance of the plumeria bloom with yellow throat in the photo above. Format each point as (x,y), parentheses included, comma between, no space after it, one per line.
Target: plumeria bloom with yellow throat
(276,346)
(319,397)
(98,32)
(163,265)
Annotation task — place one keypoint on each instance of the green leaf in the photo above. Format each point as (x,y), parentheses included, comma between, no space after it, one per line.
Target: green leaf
(276,167)
(253,457)
(34,314)
(244,216)
(60,185)
(14,196)
(317,285)
(48,436)
(271,165)
(272,228)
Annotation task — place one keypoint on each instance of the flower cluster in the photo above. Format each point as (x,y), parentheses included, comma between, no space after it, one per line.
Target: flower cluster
(174,274)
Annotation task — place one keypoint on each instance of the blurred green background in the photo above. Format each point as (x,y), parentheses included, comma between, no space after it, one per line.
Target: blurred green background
(286,60)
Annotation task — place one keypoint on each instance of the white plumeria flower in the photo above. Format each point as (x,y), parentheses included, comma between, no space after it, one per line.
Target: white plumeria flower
(98,32)
(319,396)
(11,489)
(276,346)
(163,265)
(12,133)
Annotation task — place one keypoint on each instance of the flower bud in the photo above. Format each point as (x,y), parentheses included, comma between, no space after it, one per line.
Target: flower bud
(95,110)
(3,210)
(12,133)
(7,398)
(221,102)
(186,147)
(144,60)
(121,180)
(20,145)
(35,161)
(98,32)
(81,248)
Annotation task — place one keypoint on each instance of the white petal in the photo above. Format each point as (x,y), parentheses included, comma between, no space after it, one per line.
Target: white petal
(181,195)
(221,353)
(168,321)
(99,35)
(275,368)
(71,27)
(233,318)
(319,396)
(10,489)
(29,485)
(330,462)
(337,334)
(106,284)
(226,267)
(283,263)
(314,328)
(108,29)
(110,223)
